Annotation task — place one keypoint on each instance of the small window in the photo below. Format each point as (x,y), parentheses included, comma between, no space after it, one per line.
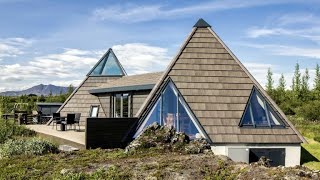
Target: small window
(122,105)
(94,111)
(259,113)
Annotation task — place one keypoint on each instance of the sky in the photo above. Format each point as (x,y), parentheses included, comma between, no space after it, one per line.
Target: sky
(58,42)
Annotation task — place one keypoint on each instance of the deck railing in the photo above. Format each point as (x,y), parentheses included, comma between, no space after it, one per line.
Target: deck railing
(109,132)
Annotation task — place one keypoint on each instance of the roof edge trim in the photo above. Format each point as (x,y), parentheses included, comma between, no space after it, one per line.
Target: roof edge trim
(122,89)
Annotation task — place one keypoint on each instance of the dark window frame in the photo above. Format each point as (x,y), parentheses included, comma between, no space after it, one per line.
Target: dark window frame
(159,96)
(266,103)
(113,104)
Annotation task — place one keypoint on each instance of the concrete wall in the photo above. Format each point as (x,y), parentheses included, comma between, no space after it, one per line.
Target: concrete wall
(240,153)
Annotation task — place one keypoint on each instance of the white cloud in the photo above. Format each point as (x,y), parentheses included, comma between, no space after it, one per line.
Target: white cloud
(297,18)
(140,58)
(312,33)
(64,68)
(298,25)
(259,32)
(135,13)
(72,65)
(11,47)
(282,50)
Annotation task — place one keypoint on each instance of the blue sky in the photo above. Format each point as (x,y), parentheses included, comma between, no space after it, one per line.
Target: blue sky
(57,42)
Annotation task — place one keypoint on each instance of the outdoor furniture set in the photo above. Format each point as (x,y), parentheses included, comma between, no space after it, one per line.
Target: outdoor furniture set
(71,120)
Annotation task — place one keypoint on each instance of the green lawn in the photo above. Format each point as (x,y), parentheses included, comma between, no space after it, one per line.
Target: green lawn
(310,156)
(310,153)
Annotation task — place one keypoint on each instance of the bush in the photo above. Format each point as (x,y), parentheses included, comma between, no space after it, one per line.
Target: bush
(287,108)
(9,129)
(310,111)
(33,146)
(317,138)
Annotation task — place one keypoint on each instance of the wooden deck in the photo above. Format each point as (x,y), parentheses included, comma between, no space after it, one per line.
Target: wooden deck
(69,137)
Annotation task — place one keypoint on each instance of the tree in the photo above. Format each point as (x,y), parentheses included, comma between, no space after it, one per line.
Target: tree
(305,92)
(279,94)
(282,84)
(70,89)
(270,82)
(296,82)
(317,78)
(305,81)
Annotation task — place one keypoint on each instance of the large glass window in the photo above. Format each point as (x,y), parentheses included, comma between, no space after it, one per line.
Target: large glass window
(108,66)
(185,122)
(154,115)
(169,107)
(171,110)
(121,105)
(259,113)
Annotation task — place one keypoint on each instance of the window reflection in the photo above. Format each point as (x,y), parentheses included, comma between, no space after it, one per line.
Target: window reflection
(108,66)
(169,107)
(259,113)
(174,113)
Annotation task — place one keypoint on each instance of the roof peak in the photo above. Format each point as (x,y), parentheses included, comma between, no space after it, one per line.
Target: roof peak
(201,24)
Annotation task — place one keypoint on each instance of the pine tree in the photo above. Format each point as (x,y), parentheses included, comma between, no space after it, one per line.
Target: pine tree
(280,91)
(317,78)
(70,89)
(282,84)
(270,82)
(296,85)
(305,81)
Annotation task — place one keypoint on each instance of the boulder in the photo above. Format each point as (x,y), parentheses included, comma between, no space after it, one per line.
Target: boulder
(166,138)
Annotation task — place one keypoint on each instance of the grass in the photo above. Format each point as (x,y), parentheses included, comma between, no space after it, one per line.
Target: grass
(50,165)
(310,152)
(114,164)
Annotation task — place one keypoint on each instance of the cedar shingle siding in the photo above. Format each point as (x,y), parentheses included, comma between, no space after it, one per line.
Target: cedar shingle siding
(217,89)
(81,100)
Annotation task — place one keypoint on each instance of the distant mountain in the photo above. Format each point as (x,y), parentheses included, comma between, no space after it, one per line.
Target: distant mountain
(38,90)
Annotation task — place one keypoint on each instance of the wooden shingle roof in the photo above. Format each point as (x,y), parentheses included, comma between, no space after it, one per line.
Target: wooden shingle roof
(217,86)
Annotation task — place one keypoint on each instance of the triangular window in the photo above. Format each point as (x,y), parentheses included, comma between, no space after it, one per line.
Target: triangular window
(108,65)
(258,112)
(170,109)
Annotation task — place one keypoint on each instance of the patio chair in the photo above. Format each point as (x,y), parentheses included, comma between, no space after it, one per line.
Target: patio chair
(56,119)
(77,120)
(69,120)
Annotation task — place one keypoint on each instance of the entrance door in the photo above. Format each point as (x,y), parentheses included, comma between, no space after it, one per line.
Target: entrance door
(276,155)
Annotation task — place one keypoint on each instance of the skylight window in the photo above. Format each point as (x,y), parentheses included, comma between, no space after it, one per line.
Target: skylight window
(108,66)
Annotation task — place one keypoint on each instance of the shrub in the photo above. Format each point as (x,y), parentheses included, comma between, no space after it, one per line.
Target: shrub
(9,129)
(310,111)
(317,138)
(34,146)
(287,108)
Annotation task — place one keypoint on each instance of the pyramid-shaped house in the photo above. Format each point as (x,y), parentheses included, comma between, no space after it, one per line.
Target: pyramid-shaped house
(205,92)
